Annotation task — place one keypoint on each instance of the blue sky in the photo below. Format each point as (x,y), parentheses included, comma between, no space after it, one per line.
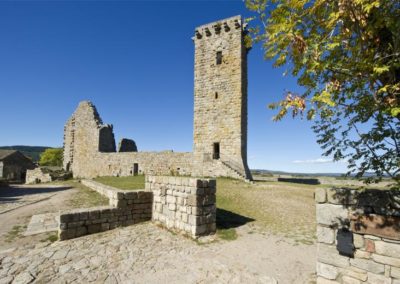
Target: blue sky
(134,61)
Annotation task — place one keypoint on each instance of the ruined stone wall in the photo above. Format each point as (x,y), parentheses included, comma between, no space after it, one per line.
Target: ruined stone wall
(358,235)
(37,176)
(127,207)
(220,93)
(184,204)
(89,150)
(122,164)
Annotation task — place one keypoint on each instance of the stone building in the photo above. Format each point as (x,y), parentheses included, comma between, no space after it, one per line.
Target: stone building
(220,119)
(13,165)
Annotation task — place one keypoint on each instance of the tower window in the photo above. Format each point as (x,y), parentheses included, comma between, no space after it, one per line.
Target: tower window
(219,57)
(216,95)
(216,151)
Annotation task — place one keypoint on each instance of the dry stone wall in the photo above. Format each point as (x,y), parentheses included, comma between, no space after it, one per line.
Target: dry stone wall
(126,208)
(37,176)
(358,234)
(184,204)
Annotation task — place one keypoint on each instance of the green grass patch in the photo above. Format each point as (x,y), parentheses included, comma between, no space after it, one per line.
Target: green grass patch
(227,234)
(15,232)
(127,183)
(50,238)
(287,209)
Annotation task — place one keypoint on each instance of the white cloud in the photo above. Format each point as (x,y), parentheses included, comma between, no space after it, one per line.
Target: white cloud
(315,161)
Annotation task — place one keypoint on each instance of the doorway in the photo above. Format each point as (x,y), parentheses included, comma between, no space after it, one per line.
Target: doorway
(135,169)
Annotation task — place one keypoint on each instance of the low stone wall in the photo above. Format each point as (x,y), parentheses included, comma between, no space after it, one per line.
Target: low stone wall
(126,208)
(358,236)
(184,204)
(37,176)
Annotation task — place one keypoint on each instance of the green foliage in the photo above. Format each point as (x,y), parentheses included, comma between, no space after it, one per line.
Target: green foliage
(52,157)
(346,56)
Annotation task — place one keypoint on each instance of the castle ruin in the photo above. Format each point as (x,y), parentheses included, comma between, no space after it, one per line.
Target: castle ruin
(220,119)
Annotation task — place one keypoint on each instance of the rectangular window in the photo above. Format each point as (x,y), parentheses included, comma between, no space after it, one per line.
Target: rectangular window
(216,151)
(219,57)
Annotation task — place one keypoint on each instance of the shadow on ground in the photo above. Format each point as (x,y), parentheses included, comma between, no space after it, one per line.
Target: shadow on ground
(14,193)
(227,219)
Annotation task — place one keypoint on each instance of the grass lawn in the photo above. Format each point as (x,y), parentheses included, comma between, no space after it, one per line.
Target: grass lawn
(129,183)
(280,208)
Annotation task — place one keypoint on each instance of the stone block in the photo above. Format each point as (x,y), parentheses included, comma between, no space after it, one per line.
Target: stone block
(341,196)
(378,279)
(369,245)
(194,220)
(350,280)
(355,272)
(192,200)
(199,230)
(368,265)
(330,214)
(81,231)
(131,195)
(320,195)
(325,235)
(358,241)
(94,228)
(329,255)
(327,271)
(394,261)
(95,214)
(362,254)
(395,272)
(387,249)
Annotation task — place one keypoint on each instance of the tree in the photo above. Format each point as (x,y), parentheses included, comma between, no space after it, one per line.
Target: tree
(52,157)
(345,54)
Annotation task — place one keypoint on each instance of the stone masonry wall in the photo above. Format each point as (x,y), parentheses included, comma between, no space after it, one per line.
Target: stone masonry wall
(358,236)
(127,207)
(37,176)
(184,204)
(220,93)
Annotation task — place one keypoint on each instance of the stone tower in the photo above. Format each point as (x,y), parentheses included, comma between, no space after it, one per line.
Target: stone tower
(220,95)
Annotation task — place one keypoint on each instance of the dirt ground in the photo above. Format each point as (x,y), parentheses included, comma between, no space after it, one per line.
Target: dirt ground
(18,203)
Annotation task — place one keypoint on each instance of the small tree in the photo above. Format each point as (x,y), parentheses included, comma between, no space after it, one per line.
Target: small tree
(346,56)
(52,157)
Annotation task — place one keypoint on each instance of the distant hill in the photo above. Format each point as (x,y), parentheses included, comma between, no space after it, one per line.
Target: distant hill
(32,152)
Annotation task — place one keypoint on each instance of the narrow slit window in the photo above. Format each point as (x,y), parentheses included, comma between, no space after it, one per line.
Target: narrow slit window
(216,95)
(216,151)
(219,57)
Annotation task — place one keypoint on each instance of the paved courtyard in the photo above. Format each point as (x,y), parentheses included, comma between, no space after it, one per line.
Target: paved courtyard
(146,253)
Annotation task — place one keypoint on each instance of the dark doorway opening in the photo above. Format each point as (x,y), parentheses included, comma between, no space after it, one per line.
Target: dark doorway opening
(216,152)
(135,169)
